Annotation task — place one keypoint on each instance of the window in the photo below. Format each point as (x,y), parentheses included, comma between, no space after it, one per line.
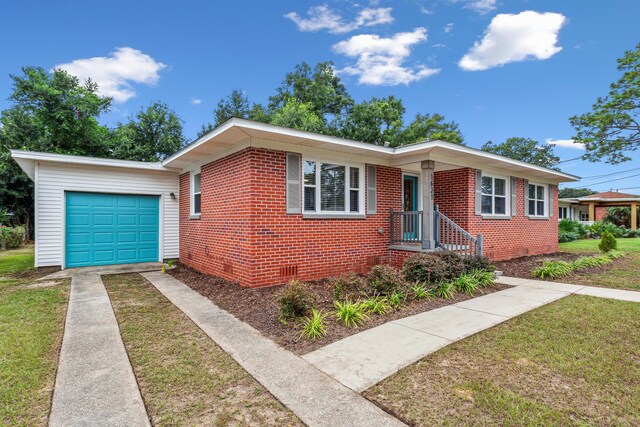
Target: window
(494,195)
(195,194)
(584,216)
(537,197)
(562,212)
(332,188)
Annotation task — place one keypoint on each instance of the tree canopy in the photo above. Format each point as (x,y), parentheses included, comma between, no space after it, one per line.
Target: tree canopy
(54,112)
(571,193)
(525,149)
(315,99)
(612,128)
(153,134)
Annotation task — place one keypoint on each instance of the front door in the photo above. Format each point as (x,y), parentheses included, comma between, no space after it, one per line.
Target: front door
(411,225)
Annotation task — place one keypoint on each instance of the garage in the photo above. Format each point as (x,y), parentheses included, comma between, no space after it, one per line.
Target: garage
(103,229)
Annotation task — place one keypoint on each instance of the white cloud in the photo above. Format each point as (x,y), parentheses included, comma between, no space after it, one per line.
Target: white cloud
(196,101)
(323,18)
(115,73)
(481,6)
(380,60)
(566,143)
(448,28)
(513,38)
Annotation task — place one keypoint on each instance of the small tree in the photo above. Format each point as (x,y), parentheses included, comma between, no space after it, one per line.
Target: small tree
(608,243)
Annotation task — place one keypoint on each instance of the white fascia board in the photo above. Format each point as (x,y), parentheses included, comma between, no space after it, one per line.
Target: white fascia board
(374,150)
(34,156)
(621,199)
(423,146)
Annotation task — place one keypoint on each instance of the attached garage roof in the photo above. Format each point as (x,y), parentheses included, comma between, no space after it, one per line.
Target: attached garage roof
(27,159)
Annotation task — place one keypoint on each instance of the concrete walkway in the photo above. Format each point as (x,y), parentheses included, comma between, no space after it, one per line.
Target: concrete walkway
(317,399)
(364,359)
(617,294)
(104,269)
(95,385)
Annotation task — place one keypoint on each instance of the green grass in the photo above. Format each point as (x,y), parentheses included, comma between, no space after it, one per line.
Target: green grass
(31,328)
(591,245)
(184,377)
(622,274)
(573,362)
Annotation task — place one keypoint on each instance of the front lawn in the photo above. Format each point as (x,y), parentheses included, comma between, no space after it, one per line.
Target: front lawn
(620,274)
(31,328)
(573,362)
(184,377)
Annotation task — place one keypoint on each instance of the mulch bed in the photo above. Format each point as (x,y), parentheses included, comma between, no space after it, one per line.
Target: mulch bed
(258,308)
(522,267)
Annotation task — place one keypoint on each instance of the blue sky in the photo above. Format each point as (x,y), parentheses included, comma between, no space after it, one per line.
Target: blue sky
(189,54)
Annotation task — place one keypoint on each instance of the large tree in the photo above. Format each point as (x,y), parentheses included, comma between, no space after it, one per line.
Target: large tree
(317,87)
(377,121)
(525,149)
(52,112)
(612,128)
(430,127)
(153,134)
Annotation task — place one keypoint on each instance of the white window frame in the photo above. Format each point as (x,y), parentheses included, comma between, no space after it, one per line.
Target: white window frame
(544,200)
(318,212)
(507,196)
(192,194)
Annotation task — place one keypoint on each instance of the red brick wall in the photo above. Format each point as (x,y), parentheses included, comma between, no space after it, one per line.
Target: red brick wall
(218,243)
(601,212)
(454,192)
(318,248)
(245,234)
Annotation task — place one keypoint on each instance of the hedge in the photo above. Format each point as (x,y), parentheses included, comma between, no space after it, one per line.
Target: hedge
(12,237)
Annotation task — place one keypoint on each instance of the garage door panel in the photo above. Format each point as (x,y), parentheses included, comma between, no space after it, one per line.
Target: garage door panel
(107,229)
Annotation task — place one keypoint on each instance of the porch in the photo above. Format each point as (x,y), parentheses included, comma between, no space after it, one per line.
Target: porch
(408,232)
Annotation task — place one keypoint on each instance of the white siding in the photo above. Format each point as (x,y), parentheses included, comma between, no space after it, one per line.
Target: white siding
(53,179)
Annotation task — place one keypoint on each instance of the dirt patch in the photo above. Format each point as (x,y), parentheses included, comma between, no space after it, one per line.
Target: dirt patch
(258,308)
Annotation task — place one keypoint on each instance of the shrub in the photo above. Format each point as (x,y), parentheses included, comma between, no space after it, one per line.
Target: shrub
(466,283)
(384,280)
(484,278)
(314,327)
(567,236)
(589,262)
(425,268)
(607,242)
(445,290)
(615,254)
(568,226)
(628,233)
(376,305)
(295,301)
(396,299)
(454,262)
(12,237)
(420,291)
(620,216)
(348,286)
(351,313)
(477,263)
(553,269)
(598,228)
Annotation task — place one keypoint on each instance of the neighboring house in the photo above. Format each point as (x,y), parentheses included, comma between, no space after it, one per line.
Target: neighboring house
(261,204)
(594,207)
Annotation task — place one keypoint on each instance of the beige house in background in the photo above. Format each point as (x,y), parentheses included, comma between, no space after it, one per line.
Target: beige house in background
(592,208)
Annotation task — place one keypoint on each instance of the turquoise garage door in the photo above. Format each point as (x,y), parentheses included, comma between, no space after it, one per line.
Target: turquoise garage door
(104,229)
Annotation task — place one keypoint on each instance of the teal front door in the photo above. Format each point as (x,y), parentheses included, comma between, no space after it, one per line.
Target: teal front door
(103,229)
(411,225)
